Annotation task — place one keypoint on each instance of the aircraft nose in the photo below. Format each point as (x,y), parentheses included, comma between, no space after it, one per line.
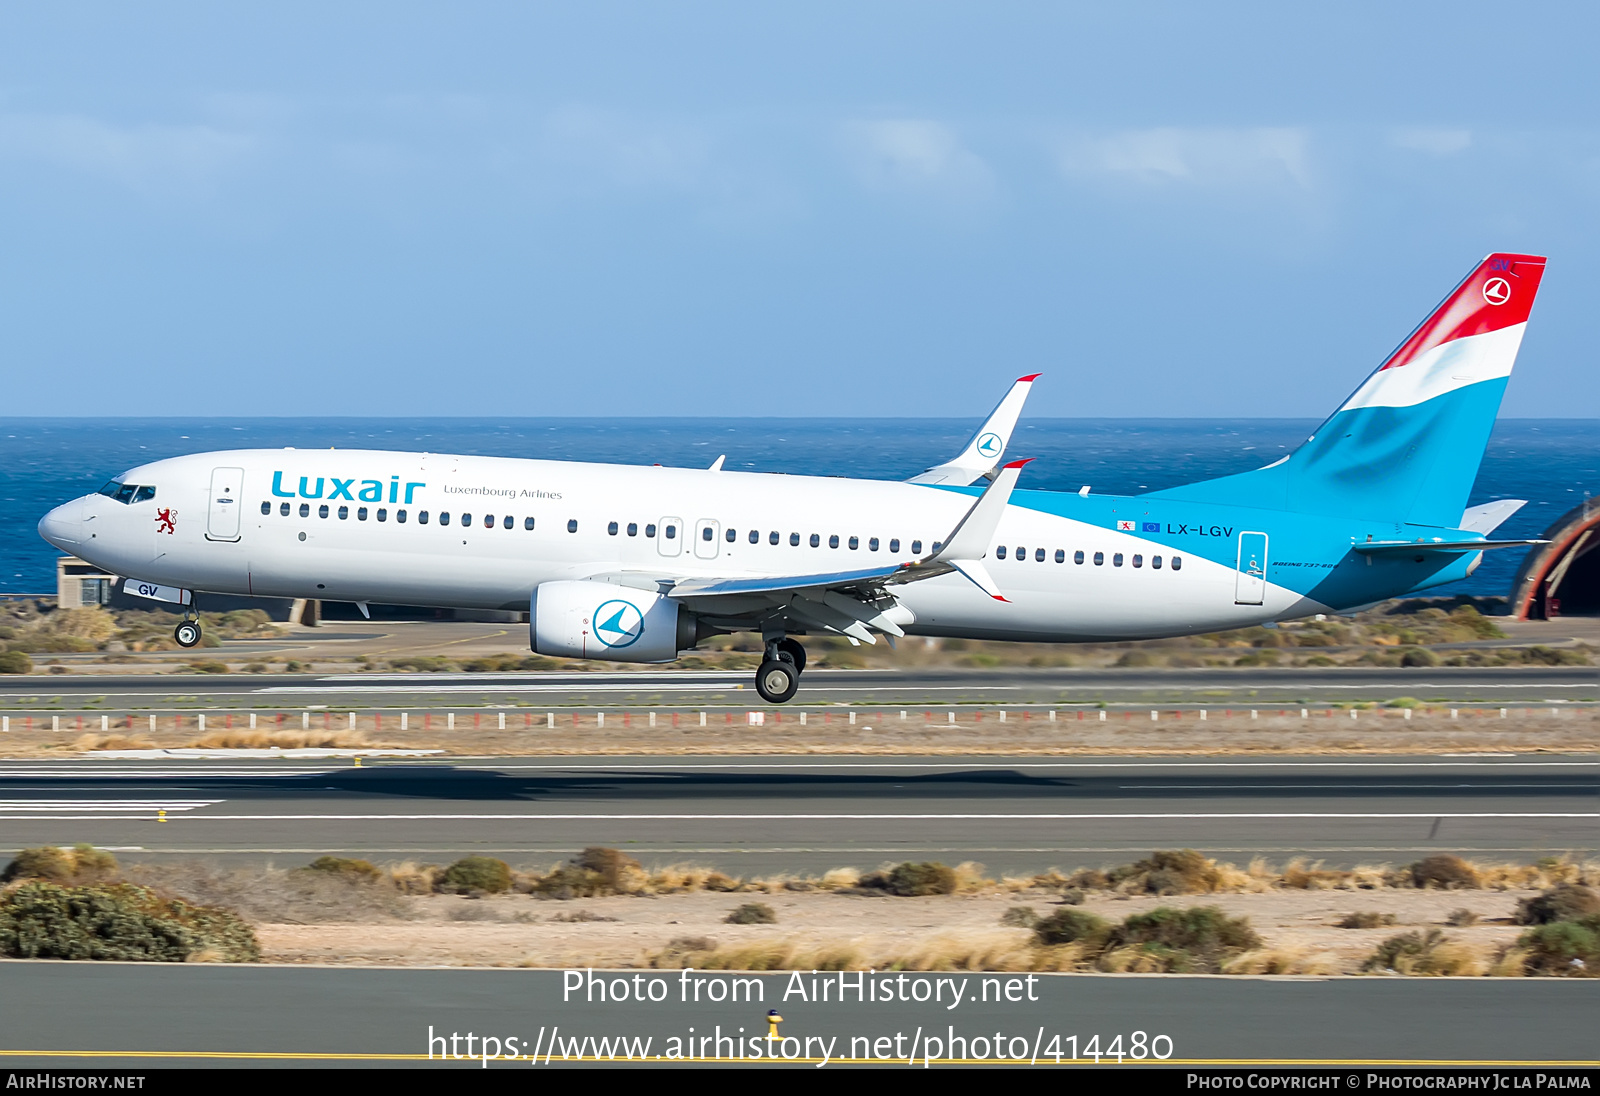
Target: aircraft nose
(63,526)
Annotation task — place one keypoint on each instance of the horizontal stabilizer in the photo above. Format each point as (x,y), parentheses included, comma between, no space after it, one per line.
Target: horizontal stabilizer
(1407,547)
(1490,516)
(982,454)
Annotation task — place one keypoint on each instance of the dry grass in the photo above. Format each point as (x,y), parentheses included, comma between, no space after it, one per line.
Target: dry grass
(87,742)
(273,894)
(287,740)
(1283,960)
(998,951)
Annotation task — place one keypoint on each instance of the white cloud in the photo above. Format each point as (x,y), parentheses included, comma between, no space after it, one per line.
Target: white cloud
(146,156)
(1438,142)
(919,155)
(1198,157)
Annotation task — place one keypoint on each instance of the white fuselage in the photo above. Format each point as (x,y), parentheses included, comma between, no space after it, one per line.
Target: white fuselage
(454,531)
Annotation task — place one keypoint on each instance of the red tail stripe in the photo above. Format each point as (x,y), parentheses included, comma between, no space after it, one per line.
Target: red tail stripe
(1497,295)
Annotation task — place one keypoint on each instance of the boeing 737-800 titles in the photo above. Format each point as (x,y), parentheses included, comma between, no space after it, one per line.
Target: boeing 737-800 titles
(637,564)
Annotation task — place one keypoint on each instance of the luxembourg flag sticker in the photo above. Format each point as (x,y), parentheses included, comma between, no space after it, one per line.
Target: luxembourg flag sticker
(1125,526)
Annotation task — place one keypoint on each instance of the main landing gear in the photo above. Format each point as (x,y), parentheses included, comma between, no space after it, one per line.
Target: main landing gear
(778,677)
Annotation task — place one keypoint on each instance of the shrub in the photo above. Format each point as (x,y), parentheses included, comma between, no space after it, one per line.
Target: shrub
(478,873)
(1444,871)
(1424,953)
(81,863)
(361,870)
(752,913)
(41,920)
(598,871)
(1367,919)
(209,666)
(1019,917)
(1570,948)
(1168,871)
(1072,926)
(1418,656)
(914,880)
(1562,902)
(1461,918)
(15,662)
(1205,936)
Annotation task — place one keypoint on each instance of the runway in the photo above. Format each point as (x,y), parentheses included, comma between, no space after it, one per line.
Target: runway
(137,1017)
(1266,686)
(771,815)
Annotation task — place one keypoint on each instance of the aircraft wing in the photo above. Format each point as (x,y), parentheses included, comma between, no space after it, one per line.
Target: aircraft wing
(856,603)
(981,455)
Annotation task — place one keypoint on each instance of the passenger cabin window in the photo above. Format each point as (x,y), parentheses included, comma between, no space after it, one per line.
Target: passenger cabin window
(444,517)
(322,511)
(383,514)
(731,535)
(422,515)
(1177,563)
(488,521)
(283,508)
(1022,553)
(872,545)
(527,523)
(400,516)
(305,509)
(572,526)
(894,546)
(649,530)
(708,533)
(1061,555)
(466,521)
(855,543)
(755,536)
(361,513)
(671,530)
(1038,555)
(916,547)
(266,507)
(1000,552)
(1099,559)
(936,547)
(1077,557)
(344,513)
(508,522)
(633,527)
(1155,563)
(1138,560)
(794,540)
(612,529)
(1116,560)
(816,541)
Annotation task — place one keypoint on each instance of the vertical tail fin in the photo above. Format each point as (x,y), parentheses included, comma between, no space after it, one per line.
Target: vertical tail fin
(1406,445)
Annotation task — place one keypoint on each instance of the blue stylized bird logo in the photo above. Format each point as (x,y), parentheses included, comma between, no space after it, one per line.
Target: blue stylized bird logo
(618,623)
(989,445)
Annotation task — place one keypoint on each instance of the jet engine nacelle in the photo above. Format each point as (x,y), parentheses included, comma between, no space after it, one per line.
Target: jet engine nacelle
(583,619)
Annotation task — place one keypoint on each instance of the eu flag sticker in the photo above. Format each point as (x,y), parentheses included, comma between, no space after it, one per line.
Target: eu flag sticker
(1152,527)
(1124,526)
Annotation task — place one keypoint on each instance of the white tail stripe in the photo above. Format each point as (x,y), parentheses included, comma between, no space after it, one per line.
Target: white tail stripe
(1443,369)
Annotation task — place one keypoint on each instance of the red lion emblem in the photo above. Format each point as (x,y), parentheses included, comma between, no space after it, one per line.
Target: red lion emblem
(166,521)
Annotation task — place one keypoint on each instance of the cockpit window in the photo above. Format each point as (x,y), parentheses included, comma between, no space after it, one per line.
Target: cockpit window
(126,493)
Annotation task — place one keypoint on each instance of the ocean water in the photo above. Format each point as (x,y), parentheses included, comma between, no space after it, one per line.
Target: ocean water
(1553,463)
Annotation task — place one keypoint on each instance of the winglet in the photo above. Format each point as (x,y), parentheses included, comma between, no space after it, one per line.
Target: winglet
(985,448)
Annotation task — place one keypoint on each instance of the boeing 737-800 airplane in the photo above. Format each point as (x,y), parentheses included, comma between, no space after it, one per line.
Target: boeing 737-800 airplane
(636,564)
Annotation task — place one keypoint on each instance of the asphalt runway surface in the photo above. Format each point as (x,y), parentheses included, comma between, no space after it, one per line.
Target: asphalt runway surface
(166,1015)
(921,688)
(769,815)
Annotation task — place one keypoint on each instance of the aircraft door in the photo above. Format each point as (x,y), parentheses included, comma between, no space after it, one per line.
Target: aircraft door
(669,536)
(227,501)
(707,538)
(1250,587)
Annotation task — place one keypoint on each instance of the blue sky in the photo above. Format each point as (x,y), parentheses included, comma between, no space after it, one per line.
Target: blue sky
(817,209)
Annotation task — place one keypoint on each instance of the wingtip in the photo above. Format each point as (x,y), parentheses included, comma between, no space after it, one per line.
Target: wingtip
(1029,377)
(1018,463)
(997,597)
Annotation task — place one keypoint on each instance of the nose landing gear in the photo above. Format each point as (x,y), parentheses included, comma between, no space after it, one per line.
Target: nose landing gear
(778,677)
(187,633)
